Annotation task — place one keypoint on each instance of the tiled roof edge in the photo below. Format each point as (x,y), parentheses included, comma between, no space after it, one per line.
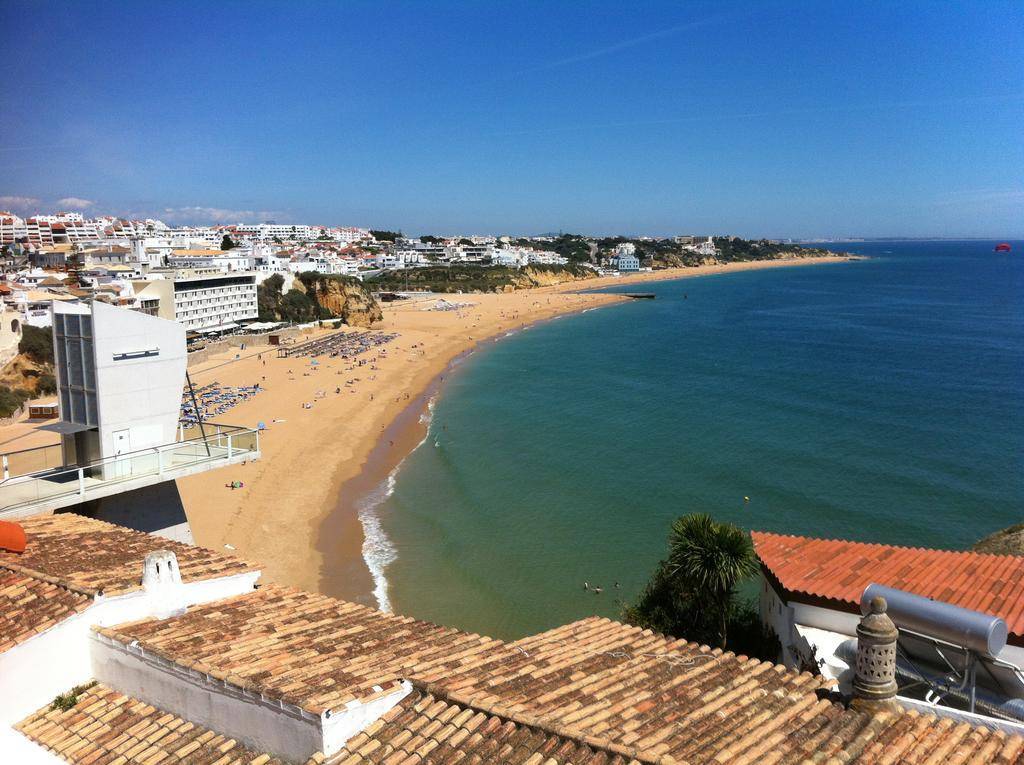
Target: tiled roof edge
(25,571)
(547,725)
(774,535)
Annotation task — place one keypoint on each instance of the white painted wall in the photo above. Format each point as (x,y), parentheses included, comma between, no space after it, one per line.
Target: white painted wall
(263,724)
(33,673)
(142,395)
(19,750)
(783,618)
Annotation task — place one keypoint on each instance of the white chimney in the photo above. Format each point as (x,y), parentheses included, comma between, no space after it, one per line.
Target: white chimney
(161,581)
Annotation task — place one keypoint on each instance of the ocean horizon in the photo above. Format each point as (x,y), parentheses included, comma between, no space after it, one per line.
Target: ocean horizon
(874,400)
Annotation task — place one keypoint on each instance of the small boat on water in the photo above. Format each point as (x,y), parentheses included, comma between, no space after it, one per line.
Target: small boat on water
(1003,247)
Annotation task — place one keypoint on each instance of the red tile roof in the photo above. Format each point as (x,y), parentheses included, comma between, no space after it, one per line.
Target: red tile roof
(105,726)
(595,691)
(840,570)
(29,605)
(93,556)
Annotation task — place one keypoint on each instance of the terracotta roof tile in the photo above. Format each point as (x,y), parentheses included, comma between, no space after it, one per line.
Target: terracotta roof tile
(105,726)
(840,570)
(29,605)
(426,729)
(309,650)
(94,556)
(611,688)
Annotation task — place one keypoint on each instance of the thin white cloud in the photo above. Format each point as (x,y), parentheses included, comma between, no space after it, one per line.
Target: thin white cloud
(75,202)
(625,44)
(200,214)
(18,204)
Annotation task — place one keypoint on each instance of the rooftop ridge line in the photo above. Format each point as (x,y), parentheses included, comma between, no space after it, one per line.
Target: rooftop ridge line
(545,724)
(775,535)
(56,581)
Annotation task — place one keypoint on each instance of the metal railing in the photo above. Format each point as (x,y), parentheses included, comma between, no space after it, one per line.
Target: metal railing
(226,443)
(51,457)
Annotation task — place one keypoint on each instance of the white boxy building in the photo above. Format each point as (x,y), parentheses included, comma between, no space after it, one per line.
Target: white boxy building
(120,376)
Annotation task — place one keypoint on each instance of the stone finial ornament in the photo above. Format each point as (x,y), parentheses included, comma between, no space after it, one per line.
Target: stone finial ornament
(874,680)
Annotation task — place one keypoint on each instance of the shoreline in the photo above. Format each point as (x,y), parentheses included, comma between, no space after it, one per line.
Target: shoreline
(359,496)
(374,482)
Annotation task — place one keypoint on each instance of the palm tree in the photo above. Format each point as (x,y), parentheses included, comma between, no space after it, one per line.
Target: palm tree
(710,559)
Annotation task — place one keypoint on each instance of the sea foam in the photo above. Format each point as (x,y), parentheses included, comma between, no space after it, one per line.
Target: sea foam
(378,550)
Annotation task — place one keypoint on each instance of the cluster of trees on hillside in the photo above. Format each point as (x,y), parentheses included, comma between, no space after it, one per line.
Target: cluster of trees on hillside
(463,277)
(468,277)
(575,247)
(693,593)
(35,379)
(759,249)
(300,306)
(385,236)
(37,344)
(293,306)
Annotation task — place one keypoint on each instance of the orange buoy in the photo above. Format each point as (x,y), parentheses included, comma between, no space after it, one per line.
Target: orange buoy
(12,537)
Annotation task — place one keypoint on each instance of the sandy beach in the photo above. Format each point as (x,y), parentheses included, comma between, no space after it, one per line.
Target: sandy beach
(297,511)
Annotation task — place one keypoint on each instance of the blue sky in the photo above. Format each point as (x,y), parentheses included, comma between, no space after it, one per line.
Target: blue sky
(777,119)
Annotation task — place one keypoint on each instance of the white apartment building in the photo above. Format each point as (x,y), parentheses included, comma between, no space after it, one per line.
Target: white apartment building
(546,257)
(262,231)
(706,248)
(627,263)
(469,253)
(407,258)
(390,260)
(625,248)
(327,264)
(348,235)
(226,261)
(32,306)
(201,300)
(197,237)
(11,227)
(512,257)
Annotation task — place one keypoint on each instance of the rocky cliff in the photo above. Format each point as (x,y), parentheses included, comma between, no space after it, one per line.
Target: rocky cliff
(342,297)
(1009,541)
(531,276)
(474,278)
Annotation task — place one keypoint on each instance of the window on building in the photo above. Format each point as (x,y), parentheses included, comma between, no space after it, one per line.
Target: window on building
(76,372)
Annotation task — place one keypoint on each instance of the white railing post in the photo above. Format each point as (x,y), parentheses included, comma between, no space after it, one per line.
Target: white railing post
(159,461)
(81,482)
(7,472)
(230,451)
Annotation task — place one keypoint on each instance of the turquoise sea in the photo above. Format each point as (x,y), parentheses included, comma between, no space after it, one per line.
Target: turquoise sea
(877,400)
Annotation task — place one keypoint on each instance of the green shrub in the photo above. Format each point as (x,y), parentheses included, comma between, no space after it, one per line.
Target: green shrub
(66,701)
(47,383)
(37,343)
(11,399)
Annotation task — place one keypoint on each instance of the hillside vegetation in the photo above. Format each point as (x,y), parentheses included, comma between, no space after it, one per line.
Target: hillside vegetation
(473,278)
(29,374)
(317,296)
(667,253)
